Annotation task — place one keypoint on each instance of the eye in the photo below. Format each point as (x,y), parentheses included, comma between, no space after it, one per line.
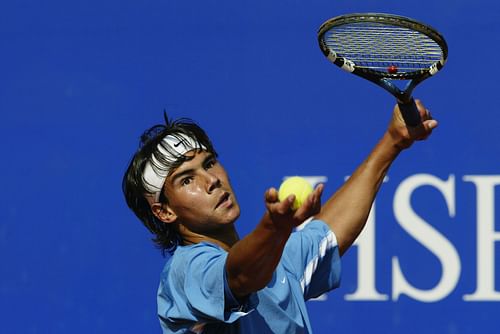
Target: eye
(187,180)
(210,163)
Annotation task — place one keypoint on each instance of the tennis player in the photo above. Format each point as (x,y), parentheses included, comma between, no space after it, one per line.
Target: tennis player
(215,282)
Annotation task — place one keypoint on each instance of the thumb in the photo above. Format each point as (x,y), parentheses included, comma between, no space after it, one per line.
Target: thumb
(426,129)
(430,124)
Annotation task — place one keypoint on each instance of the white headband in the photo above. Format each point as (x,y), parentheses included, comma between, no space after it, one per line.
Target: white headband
(171,148)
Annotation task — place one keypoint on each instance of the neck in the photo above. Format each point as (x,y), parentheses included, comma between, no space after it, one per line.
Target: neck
(225,238)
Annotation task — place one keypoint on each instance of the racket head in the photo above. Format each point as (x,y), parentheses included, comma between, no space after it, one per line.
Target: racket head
(383,46)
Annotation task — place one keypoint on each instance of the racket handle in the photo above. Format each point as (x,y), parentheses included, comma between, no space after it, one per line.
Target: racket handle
(410,112)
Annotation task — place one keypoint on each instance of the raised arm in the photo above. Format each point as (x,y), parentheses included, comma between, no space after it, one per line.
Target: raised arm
(252,260)
(347,210)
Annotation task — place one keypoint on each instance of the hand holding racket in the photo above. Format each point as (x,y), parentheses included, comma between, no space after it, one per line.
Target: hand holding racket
(383,48)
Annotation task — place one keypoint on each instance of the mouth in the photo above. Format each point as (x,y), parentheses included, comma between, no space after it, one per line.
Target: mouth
(223,200)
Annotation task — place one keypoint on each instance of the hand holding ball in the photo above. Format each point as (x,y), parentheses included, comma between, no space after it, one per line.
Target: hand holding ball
(297,186)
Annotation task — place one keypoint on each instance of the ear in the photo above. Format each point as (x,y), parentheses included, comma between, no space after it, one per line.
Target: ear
(164,213)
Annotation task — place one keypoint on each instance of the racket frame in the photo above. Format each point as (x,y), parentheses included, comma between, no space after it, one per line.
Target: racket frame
(384,78)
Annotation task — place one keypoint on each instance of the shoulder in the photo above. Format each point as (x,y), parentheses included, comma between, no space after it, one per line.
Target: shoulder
(311,241)
(316,229)
(192,257)
(194,250)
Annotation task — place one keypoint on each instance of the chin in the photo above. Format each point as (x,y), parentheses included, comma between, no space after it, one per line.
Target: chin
(234,215)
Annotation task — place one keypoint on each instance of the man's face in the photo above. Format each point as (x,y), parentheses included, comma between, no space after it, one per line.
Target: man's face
(200,194)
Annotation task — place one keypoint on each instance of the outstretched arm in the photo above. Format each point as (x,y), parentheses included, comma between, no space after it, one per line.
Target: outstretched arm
(252,260)
(347,210)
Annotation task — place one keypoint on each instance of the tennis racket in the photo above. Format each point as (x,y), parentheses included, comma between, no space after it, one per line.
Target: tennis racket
(385,48)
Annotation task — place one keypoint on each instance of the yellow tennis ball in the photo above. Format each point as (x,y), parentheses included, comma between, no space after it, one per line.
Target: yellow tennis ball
(298,186)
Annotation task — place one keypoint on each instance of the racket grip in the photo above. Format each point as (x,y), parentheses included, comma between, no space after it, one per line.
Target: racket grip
(410,113)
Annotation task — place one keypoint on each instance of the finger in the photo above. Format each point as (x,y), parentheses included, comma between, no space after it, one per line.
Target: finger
(315,197)
(271,195)
(318,192)
(425,114)
(420,106)
(430,124)
(281,208)
(429,116)
(427,126)
(311,205)
(286,205)
(319,189)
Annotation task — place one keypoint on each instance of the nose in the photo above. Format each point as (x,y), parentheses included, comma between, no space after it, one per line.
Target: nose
(213,182)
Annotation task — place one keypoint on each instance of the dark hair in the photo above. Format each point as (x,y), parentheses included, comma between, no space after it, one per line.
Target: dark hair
(166,237)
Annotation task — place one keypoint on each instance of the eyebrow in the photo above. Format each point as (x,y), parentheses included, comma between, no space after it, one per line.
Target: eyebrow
(210,156)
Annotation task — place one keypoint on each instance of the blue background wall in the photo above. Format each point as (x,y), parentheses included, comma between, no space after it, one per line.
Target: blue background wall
(80,81)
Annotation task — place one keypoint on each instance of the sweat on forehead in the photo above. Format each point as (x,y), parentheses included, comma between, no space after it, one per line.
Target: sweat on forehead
(162,161)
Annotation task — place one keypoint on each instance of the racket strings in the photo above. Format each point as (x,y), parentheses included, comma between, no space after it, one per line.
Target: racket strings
(377,46)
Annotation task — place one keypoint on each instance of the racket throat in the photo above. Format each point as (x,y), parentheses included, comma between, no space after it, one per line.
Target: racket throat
(400,89)
(406,103)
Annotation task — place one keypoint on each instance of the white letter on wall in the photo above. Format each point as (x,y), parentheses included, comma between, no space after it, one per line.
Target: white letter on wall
(486,237)
(429,237)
